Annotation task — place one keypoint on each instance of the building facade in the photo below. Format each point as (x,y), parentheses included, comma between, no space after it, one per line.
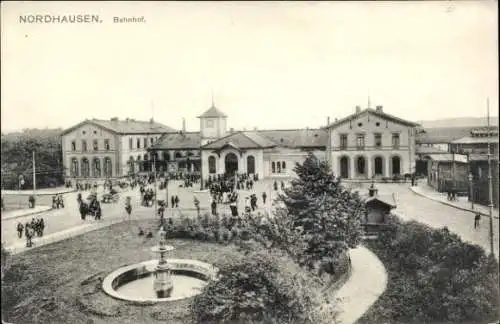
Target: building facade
(100,149)
(372,144)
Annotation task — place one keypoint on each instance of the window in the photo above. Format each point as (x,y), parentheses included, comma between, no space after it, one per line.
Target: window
(343,141)
(395,140)
(95,145)
(273,167)
(278,164)
(145,142)
(152,140)
(84,145)
(378,140)
(283,165)
(360,141)
(138,142)
(211,164)
(73,146)
(210,123)
(106,144)
(130,143)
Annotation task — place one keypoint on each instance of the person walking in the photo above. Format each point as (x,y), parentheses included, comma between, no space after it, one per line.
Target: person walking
(176,201)
(264,197)
(20,229)
(477,219)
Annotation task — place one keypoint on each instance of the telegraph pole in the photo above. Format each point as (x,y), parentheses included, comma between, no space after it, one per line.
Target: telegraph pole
(34,174)
(154,175)
(490,184)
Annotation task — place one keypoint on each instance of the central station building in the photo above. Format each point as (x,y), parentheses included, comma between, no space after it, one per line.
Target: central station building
(368,143)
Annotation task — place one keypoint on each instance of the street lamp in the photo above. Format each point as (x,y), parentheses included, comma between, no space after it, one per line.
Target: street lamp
(471,197)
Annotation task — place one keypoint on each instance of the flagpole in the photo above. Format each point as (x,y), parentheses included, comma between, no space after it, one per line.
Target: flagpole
(490,184)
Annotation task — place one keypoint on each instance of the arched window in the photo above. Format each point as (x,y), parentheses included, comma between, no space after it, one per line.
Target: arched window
(379,165)
(361,165)
(396,165)
(146,157)
(211,165)
(283,165)
(85,168)
(178,155)
(166,156)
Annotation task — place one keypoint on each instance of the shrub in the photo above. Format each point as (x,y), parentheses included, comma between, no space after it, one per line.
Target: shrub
(434,277)
(259,288)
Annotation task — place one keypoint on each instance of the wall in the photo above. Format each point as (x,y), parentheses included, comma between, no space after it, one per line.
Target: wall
(367,124)
(290,156)
(126,152)
(92,132)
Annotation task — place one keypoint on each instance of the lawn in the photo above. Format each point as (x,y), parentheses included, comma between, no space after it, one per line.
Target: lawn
(59,283)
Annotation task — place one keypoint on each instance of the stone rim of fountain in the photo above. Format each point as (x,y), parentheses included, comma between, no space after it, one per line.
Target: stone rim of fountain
(110,287)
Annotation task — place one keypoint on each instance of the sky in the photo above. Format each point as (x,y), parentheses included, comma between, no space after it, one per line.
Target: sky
(269,65)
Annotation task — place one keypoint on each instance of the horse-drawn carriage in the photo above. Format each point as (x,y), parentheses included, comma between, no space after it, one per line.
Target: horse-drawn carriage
(91,207)
(110,197)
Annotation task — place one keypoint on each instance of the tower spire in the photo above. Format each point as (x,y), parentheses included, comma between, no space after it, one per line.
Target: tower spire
(369,102)
(213,101)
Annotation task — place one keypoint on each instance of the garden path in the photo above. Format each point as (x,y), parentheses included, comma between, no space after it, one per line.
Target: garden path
(367,282)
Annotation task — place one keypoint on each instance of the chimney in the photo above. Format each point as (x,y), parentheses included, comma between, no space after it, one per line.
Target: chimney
(358,109)
(114,119)
(379,108)
(336,119)
(151,120)
(255,128)
(183,125)
(231,130)
(327,120)
(127,119)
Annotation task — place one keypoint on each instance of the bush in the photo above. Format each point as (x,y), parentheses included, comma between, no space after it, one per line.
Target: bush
(259,288)
(434,277)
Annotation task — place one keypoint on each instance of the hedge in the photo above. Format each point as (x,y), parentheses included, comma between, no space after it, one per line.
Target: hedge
(433,277)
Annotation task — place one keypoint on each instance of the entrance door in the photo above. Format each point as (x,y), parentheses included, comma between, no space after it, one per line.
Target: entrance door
(231,163)
(344,167)
(250,164)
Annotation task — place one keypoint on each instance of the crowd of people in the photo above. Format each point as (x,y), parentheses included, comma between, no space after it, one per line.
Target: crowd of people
(30,229)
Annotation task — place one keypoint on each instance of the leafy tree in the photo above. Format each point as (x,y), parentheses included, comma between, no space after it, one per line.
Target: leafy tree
(316,219)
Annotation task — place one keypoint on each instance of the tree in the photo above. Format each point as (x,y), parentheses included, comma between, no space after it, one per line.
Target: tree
(327,215)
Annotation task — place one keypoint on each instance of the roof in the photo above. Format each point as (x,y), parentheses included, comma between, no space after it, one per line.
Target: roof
(384,199)
(482,157)
(446,157)
(438,135)
(374,112)
(241,140)
(475,140)
(429,150)
(293,138)
(127,126)
(297,137)
(212,112)
(178,141)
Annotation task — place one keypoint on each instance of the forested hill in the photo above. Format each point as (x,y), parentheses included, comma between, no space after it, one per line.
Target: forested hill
(16,157)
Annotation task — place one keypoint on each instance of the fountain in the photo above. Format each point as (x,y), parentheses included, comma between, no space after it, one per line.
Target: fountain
(163,285)
(161,279)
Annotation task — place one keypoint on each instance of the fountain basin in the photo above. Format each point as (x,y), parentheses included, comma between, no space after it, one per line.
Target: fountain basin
(135,282)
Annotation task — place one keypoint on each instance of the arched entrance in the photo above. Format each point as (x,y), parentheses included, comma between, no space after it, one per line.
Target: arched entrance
(396,165)
(361,166)
(108,167)
(378,166)
(96,168)
(131,165)
(85,168)
(74,167)
(344,167)
(211,165)
(231,163)
(250,164)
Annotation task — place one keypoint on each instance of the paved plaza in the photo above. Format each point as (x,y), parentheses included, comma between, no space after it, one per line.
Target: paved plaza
(58,220)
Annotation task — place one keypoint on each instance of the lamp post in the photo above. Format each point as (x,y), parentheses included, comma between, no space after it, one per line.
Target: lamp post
(471,189)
